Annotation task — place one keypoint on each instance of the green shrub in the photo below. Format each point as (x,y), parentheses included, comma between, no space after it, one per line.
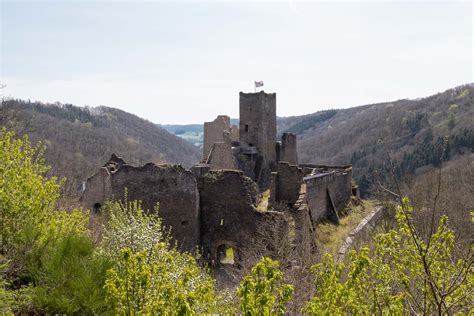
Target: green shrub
(26,196)
(264,292)
(50,255)
(68,276)
(149,275)
(404,274)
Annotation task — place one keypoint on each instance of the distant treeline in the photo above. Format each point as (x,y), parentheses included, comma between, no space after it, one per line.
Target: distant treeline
(311,121)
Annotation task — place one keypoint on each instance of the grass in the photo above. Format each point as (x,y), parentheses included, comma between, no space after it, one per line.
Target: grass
(330,236)
(263,204)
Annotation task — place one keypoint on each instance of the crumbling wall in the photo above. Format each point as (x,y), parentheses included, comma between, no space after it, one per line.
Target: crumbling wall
(199,170)
(221,157)
(288,150)
(317,195)
(228,213)
(341,189)
(213,133)
(173,187)
(234,134)
(98,189)
(327,193)
(288,182)
(304,224)
(258,123)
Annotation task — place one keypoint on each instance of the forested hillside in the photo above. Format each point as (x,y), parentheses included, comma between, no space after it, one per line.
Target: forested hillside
(417,134)
(79,139)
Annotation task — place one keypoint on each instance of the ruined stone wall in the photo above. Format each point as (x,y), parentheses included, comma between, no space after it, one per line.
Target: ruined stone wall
(317,195)
(327,193)
(98,189)
(288,149)
(305,231)
(258,123)
(234,134)
(173,187)
(288,182)
(213,133)
(221,157)
(228,213)
(341,189)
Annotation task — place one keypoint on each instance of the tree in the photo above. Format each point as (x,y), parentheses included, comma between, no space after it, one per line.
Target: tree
(149,275)
(264,291)
(43,247)
(403,274)
(26,196)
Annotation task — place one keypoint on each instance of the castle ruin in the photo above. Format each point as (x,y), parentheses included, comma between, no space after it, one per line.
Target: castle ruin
(214,205)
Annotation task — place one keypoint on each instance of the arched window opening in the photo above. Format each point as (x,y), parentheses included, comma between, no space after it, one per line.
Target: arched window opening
(225,254)
(97,207)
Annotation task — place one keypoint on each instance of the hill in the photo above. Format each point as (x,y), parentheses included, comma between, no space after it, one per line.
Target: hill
(193,133)
(417,134)
(79,139)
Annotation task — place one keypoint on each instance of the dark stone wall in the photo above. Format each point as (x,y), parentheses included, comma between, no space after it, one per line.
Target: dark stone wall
(341,189)
(325,190)
(98,190)
(317,196)
(228,214)
(258,123)
(173,187)
(288,149)
(288,182)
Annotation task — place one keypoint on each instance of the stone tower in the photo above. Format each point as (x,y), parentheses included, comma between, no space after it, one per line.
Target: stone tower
(258,123)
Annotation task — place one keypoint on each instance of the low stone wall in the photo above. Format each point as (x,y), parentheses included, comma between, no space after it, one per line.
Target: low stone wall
(360,232)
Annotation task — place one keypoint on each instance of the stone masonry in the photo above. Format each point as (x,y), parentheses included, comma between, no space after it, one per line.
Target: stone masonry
(204,209)
(173,187)
(214,133)
(214,205)
(258,123)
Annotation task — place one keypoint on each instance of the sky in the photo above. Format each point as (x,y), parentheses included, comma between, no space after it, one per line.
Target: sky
(186,61)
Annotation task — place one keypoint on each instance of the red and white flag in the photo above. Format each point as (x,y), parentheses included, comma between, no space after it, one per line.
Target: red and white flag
(258,84)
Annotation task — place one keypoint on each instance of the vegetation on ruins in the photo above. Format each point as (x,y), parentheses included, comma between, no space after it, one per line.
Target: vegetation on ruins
(52,262)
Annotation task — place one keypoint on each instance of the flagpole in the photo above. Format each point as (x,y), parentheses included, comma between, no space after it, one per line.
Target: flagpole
(254,87)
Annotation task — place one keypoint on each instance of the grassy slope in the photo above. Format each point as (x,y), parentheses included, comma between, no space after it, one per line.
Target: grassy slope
(331,237)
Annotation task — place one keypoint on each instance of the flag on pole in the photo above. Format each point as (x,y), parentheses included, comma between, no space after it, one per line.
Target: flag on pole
(258,84)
